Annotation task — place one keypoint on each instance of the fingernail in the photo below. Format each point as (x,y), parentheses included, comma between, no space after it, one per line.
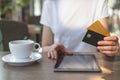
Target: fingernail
(98,47)
(104,38)
(98,43)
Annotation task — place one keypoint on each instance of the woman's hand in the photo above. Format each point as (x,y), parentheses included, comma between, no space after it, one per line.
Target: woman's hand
(109,46)
(52,53)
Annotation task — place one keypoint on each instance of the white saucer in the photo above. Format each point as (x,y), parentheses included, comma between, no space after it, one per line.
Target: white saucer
(11,60)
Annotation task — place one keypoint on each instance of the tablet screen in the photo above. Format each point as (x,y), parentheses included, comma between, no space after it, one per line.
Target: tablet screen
(78,62)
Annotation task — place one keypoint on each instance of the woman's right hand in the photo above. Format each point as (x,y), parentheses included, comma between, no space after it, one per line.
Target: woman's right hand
(52,52)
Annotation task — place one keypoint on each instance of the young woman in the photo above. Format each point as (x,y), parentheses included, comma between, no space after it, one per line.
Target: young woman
(65,24)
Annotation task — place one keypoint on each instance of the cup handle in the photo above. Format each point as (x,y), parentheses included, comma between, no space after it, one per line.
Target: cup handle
(36,45)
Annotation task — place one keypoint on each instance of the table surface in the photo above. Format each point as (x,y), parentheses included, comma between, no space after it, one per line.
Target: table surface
(43,70)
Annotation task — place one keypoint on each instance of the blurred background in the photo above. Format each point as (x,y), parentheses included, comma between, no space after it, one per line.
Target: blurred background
(20,10)
(29,12)
(114,19)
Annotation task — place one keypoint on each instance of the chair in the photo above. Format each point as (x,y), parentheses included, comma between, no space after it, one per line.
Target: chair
(12,30)
(35,20)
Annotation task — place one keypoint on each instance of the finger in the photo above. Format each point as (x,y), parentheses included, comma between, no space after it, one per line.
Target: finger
(48,54)
(109,53)
(52,54)
(107,43)
(111,38)
(107,48)
(55,54)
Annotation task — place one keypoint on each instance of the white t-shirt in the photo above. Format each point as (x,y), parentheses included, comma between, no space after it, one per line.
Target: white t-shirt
(68,19)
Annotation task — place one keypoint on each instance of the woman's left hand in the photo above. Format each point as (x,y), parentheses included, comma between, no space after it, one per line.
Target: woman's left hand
(109,46)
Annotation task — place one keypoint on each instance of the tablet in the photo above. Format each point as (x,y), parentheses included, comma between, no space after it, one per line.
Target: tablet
(77,63)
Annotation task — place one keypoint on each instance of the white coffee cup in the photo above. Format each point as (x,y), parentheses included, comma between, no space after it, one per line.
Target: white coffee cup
(22,48)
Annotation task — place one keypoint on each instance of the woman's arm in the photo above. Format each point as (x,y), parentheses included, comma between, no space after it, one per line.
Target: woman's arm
(48,45)
(47,39)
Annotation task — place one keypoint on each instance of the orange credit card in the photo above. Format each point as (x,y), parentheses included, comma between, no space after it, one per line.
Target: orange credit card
(95,33)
